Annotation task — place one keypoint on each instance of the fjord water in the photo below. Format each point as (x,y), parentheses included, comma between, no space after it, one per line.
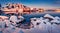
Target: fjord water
(38,15)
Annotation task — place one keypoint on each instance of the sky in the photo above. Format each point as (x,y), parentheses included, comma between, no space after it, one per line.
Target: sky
(35,3)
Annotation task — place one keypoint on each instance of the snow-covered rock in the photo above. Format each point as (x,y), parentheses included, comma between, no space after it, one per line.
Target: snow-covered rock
(2,25)
(7,22)
(36,21)
(48,16)
(41,18)
(55,21)
(58,18)
(20,18)
(13,18)
(33,20)
(46,20)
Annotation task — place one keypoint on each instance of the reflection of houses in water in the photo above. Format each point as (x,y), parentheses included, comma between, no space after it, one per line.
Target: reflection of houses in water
(40,10)
(37,10)
(33,10)
(26,10)
(15,8)
(57,10)
(50,10)
(19,8)
(53,10)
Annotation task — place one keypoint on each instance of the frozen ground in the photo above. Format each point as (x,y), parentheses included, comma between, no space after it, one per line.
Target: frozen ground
(44,28)
(41,28)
